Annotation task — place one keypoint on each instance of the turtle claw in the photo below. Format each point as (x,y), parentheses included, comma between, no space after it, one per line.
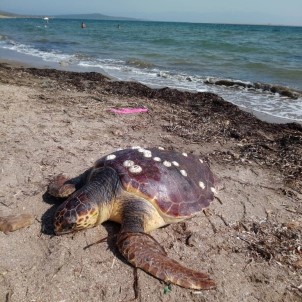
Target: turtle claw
(59,186)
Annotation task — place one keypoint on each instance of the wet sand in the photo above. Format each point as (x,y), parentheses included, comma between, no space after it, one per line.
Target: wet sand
(248,240)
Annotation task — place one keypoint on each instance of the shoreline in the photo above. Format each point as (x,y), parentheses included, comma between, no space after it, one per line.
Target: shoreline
(19,59)
(138,89)
(22,60)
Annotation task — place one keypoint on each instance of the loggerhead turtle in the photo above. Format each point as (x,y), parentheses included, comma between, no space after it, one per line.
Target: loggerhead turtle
(142,189)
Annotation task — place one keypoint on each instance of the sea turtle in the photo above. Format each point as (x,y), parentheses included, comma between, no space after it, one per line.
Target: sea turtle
(142,189)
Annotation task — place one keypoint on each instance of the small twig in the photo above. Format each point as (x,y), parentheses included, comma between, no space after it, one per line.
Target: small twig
(223,219)
(291,210)
(211,223)
(248,262)
(219,200)
(99,241)
(135,283)
(113,262)
(298,288)
(58,269)
(244,226)
(3,203)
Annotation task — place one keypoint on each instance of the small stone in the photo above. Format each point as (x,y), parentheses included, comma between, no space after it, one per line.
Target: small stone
(298,264)
(12,223)
(117,132)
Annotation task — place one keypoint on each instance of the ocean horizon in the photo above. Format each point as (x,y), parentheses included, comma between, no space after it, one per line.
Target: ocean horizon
(257,67)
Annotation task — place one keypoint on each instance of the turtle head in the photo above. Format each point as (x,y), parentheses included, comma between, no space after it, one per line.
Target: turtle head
(74,215)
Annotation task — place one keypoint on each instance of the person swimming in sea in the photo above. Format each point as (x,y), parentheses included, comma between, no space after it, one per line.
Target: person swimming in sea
(83,25)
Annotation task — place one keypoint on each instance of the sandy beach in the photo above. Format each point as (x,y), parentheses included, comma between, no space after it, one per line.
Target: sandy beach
(248,240)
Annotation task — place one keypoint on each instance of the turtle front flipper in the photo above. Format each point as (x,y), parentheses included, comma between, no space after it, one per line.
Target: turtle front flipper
(142,251)
(62,186)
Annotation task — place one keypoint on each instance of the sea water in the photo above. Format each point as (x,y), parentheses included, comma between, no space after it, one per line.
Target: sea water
(185,56)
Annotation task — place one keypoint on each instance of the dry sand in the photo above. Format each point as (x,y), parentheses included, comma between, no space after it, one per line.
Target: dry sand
(249,240)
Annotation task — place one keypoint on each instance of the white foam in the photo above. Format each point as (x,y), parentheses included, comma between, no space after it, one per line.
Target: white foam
(51,56)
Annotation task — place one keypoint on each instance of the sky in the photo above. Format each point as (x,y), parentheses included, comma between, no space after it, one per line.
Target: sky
(283,12)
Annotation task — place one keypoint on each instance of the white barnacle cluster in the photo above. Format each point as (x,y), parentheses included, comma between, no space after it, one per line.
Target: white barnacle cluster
(184,173)
(202,185)
(214,190)
(128,163)
(110,157)
(132,167)
(135,169)
(145,152)
(167,163)
(175,163)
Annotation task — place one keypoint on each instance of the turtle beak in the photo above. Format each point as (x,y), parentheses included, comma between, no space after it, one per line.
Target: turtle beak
(64,227)
(61,230)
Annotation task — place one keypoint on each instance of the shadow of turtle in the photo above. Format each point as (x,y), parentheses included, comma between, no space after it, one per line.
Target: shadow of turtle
(112,229)
(47,218)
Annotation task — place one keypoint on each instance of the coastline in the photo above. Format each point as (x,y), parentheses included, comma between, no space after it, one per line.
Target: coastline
(23,60)
(55,121)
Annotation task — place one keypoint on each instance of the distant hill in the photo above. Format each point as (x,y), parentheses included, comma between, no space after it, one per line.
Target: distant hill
(93,17)
(72,16)
(8,15)
(13,15)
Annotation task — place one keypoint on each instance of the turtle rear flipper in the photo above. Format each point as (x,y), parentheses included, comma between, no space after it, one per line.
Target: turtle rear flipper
(144,252)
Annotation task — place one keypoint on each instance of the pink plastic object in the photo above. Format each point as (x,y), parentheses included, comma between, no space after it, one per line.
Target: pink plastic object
(128,110)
